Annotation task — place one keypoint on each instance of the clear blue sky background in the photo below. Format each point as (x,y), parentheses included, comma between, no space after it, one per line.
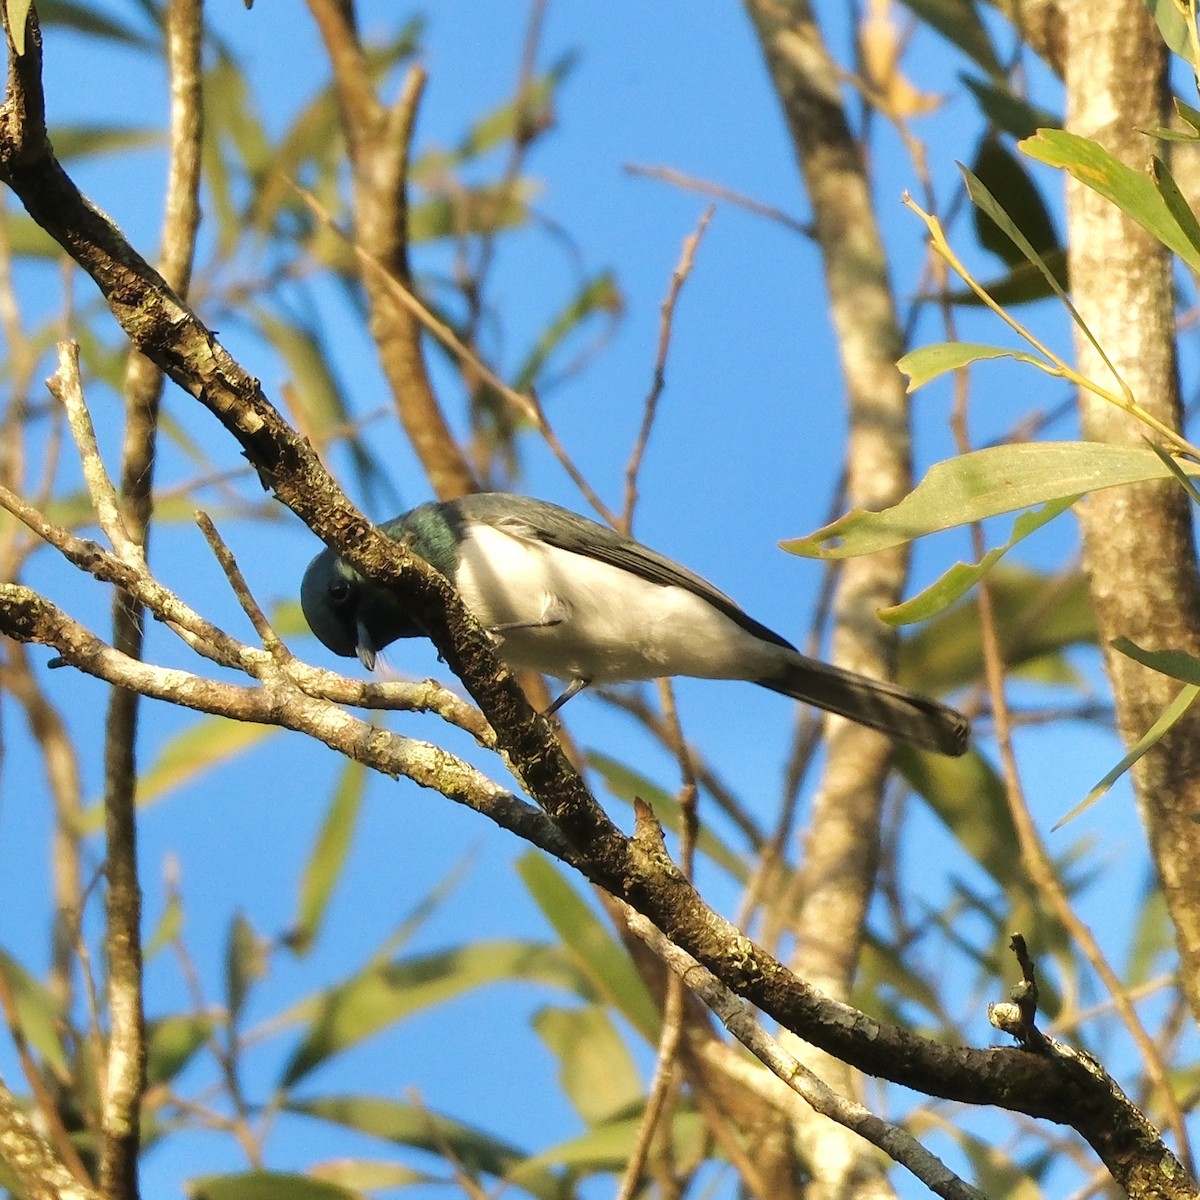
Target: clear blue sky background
(745,453)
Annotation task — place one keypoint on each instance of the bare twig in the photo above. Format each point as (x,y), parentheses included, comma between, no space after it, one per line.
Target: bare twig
(683,269)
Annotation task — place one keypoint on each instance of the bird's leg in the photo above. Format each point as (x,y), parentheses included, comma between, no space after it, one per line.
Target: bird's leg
(573,689)
(554,612)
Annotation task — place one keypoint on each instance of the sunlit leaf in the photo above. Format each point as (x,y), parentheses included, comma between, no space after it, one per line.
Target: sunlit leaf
(267,1185)
(608,1148)
(383,994)
(961,577)
(370,1175)
(1173,198)
(38,1014)
(595,1068)
(1130,190)
(168,928)
(1022,284)
(929,362)
(18,12)
(519,117)
(483,209)
(594,950)
(329,854)
(1168,719)
(982,484)
(414,1125)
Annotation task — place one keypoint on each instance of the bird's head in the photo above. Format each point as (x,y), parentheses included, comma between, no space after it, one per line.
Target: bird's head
(350,615)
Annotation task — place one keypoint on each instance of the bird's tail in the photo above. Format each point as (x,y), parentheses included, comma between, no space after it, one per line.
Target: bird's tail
(891,709)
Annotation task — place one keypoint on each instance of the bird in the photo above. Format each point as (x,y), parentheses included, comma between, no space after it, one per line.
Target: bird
(566,596)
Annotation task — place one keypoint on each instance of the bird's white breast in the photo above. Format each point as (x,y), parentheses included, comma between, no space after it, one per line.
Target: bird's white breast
(611,625)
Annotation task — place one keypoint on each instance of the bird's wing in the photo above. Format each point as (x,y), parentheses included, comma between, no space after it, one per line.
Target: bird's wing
(559,527)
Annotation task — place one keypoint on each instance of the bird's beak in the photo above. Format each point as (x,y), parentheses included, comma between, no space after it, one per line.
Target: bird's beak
(364,649)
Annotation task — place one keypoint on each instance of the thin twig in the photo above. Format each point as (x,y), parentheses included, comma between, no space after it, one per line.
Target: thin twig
(683,269)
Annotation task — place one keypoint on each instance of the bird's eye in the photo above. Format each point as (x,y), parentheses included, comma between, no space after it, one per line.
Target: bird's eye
(339,591)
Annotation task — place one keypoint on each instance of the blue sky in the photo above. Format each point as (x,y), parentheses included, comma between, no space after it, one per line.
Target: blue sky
(745,453)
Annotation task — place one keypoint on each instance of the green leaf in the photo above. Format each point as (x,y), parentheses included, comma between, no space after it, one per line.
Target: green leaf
(85,19)
(168,927)
(18,12)
(598,295)
(595,1069)
(328,858)
(625,783)
(986,203)
(484,209)
(244,963)
(266,1185)
(1173,26)
(1023,284)
(961,577)
(1188,114)
(959,22)
(370,1175)
(87,141)
(1007,111)
(172,1043)
(38,1014)
(1170,716)
(928,362)
(598,955)
(471,1149)
(984,484)
(1037,616)
(1006,179)
(968,797)
(1175,663)
(383,994)
(1178,207)
(607,1148)
(518,117)
(1133,192)
(204,744)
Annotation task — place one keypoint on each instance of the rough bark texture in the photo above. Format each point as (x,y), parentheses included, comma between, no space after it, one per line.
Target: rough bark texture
(1138,541)
(842,841)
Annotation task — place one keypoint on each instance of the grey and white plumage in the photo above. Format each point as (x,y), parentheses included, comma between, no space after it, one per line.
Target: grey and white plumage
(574,599)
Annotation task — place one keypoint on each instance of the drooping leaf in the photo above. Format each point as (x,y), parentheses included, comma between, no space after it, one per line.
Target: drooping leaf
(961,577)
(1173,198)
(596,1071)
(383,994)
(1022,284)
(267,1185)
(88,20)
(413,1125)
(982,484)
(1132,191)
(1004,175)
(597,954)
(929,362)
(328,859)
(1167,720)
(168,928)
(370,1175)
